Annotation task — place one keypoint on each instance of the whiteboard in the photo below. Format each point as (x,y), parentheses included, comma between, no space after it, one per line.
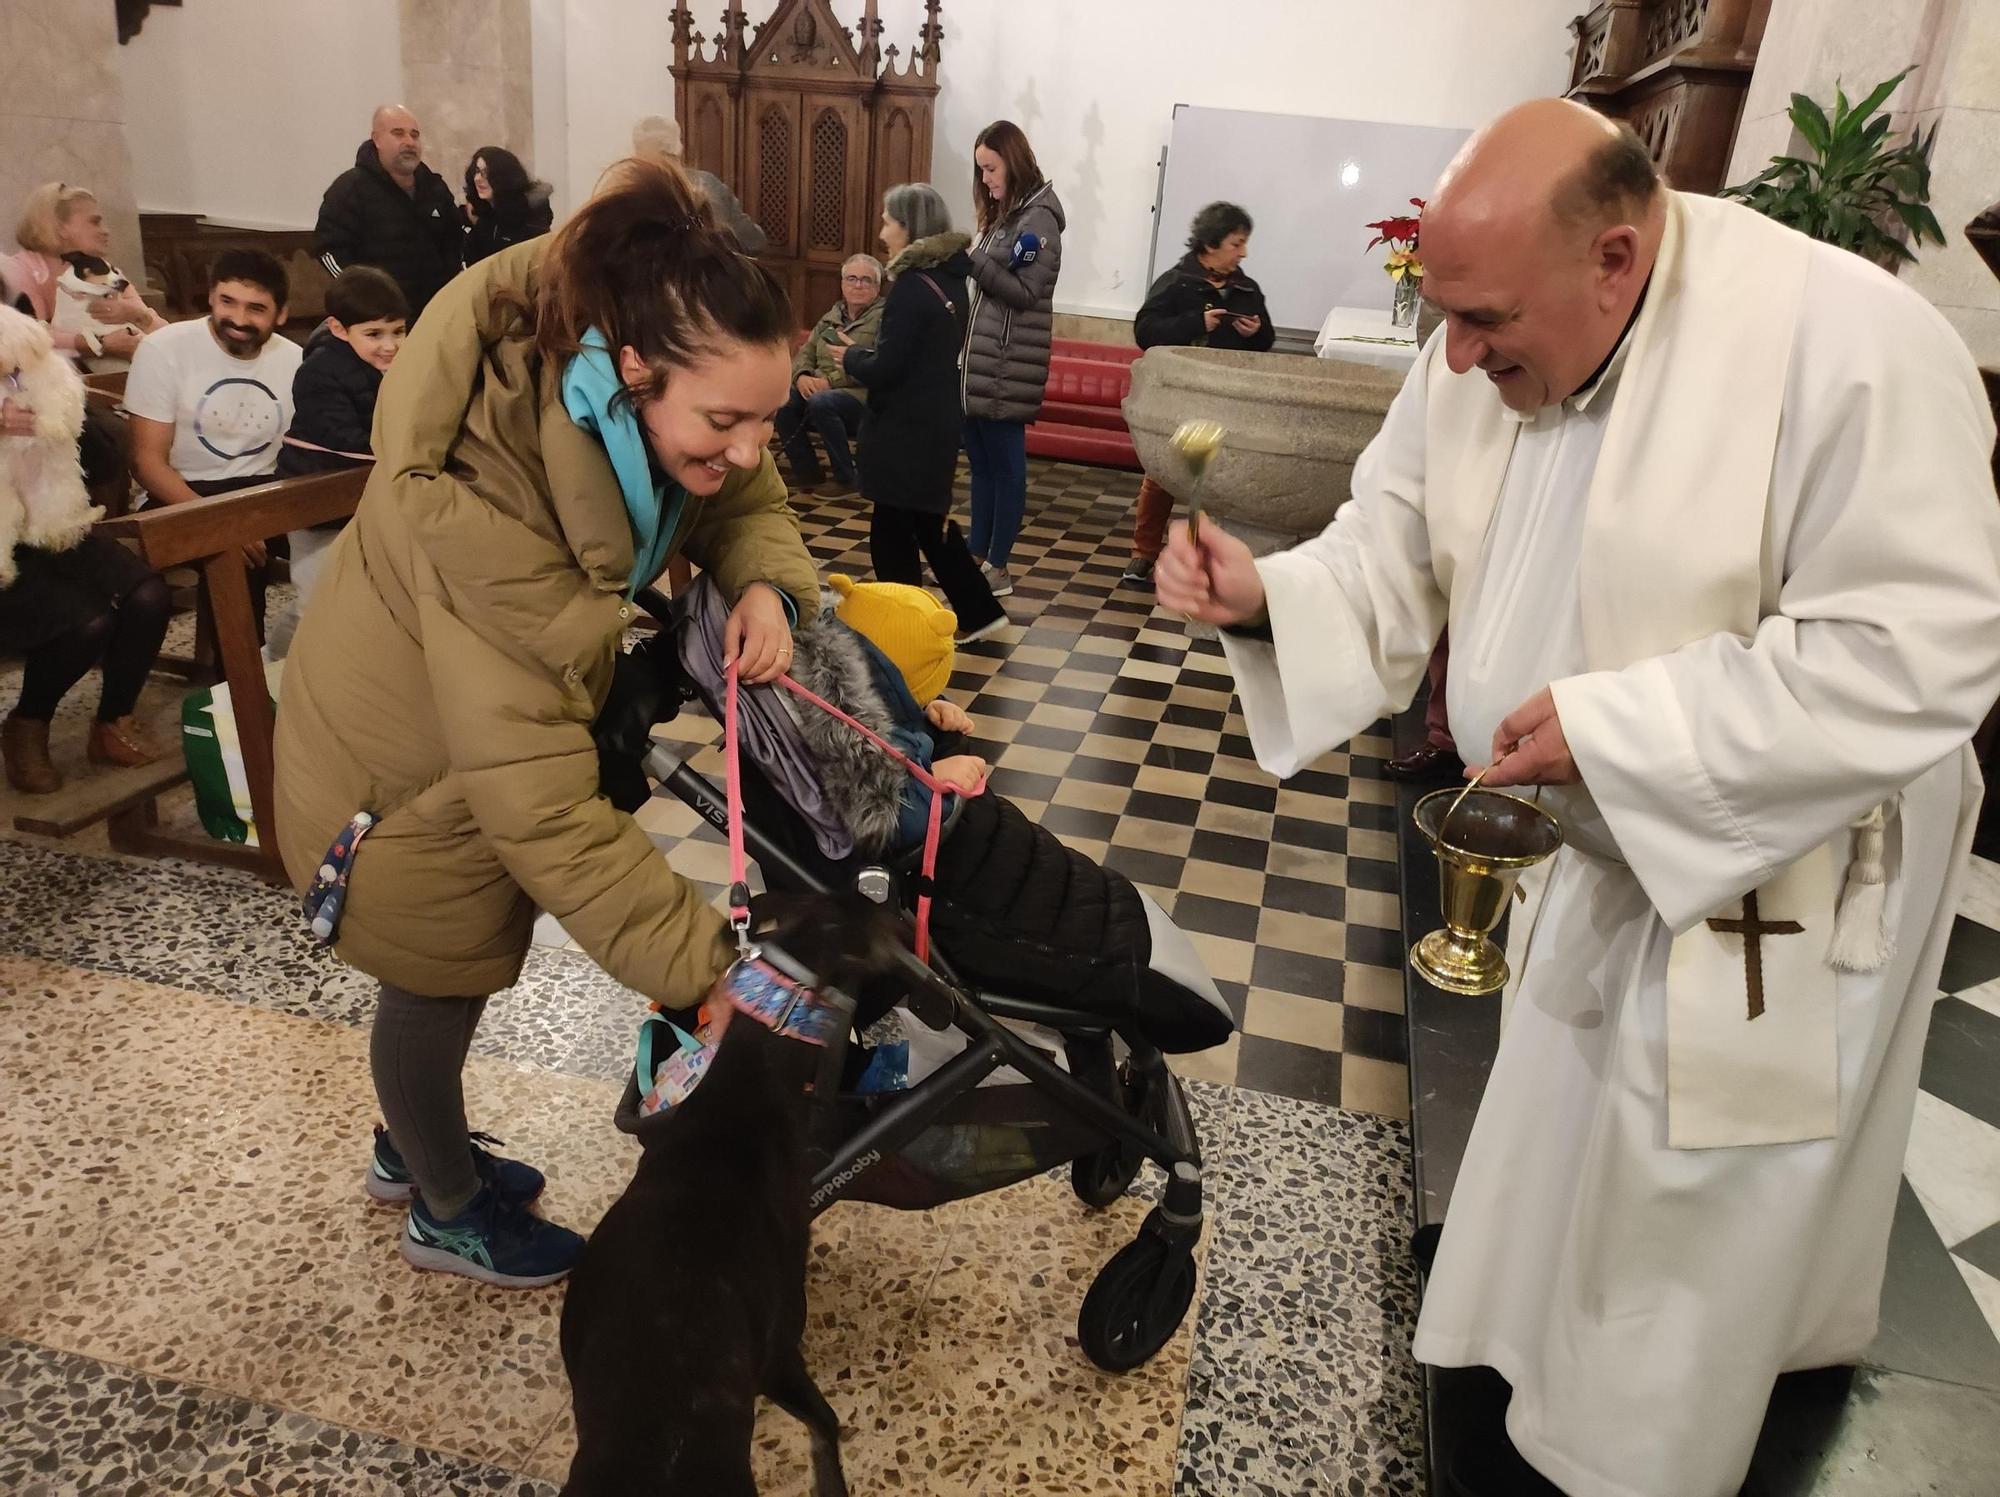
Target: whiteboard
(1310,186)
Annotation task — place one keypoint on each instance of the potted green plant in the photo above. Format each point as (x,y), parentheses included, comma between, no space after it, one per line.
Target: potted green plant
(1856,184)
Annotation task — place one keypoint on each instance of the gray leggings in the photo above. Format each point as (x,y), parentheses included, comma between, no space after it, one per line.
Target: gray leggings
(416,1051)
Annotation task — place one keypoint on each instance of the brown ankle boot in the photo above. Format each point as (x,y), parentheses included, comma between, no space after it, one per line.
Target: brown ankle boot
(122,743)
(24,743)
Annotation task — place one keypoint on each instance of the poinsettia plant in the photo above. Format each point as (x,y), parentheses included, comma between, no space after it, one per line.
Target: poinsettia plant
(1400,234)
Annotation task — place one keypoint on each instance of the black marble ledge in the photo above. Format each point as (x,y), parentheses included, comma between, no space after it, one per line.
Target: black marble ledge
(1451,1038)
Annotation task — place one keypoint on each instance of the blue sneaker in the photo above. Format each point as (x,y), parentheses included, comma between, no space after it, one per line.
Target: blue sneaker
(492,1242)
(388,1180)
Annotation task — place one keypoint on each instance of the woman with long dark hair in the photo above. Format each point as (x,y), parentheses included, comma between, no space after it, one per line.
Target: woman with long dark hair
(1016,256)
(503,204)
(564,418)
(908,448)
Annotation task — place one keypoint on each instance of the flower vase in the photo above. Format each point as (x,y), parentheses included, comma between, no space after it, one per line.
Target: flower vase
(1403,310)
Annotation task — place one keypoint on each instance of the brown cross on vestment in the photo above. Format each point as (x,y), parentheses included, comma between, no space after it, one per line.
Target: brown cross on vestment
(1753,930)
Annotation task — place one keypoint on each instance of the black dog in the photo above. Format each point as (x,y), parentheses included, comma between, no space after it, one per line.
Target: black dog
(690,1300)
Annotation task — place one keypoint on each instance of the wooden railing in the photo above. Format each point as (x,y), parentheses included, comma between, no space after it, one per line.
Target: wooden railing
(211,534)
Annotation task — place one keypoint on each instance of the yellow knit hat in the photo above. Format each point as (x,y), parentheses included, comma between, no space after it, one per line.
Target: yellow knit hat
(905,623)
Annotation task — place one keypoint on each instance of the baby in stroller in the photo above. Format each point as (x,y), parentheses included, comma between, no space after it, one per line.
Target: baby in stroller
(1051,972)
(881,652)
(1011,903)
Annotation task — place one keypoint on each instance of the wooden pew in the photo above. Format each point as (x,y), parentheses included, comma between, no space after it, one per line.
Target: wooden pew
(104,392)
(211,534)
(104,396)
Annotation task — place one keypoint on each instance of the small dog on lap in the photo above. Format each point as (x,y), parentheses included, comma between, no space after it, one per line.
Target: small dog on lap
(43,502)
(689,1300)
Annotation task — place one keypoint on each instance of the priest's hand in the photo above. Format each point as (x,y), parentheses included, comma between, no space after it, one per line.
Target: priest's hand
(1529,747)
(1213,582)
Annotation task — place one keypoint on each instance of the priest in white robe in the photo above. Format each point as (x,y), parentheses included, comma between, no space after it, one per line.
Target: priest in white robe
(1707,508)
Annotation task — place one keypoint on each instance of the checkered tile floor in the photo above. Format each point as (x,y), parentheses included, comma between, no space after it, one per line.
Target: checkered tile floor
(1107,724)
(1953,1163)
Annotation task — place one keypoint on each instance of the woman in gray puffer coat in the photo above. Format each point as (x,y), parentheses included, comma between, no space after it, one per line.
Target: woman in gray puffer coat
(1015,261)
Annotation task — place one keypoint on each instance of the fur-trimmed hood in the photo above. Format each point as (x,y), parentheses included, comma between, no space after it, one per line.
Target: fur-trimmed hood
(863,784)
(925,253)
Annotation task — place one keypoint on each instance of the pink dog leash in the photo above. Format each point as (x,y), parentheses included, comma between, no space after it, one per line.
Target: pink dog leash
(739,868)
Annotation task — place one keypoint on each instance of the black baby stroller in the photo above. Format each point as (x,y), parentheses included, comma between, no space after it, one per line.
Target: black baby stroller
(1073,950)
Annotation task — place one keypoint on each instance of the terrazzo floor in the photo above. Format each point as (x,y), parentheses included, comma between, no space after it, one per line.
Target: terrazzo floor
(199,1299)
(196,1298)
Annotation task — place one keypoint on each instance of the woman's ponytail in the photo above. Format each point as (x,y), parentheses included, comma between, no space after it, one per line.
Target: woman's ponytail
(645,262)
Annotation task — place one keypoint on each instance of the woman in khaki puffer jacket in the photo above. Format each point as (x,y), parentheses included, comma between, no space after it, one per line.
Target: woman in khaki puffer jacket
(461,640)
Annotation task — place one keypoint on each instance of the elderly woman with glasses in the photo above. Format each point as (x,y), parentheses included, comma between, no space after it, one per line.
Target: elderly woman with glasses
(825,398)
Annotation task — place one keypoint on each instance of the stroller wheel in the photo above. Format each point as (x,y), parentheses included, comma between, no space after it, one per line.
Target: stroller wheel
(1139,1300)
(1101,1178)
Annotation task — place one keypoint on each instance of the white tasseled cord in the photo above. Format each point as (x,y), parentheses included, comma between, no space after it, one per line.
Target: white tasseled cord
(1861,940)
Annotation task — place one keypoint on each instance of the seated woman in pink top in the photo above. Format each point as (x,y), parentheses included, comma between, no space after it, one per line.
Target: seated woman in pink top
(60,218)
(57,219)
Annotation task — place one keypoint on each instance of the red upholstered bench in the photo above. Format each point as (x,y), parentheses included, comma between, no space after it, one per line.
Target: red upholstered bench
(1081,419)
(1088,381)
(1069,413)
(1103,353)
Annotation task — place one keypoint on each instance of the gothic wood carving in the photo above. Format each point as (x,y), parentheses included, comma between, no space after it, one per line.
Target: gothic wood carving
(132,16)
(809,122)
(1677,70)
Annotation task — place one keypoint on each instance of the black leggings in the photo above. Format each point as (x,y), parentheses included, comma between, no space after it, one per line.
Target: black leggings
(417,1051)
(900,540)
(125,640)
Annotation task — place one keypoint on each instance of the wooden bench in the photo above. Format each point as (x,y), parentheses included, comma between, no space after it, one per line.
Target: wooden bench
(104,395)
(209,534)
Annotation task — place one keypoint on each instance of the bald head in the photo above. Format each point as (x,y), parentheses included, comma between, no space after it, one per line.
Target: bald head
(1537,244)
(399,141)
(1547,164)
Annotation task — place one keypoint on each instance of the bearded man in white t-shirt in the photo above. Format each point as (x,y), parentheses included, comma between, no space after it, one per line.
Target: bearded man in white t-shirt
(210,401)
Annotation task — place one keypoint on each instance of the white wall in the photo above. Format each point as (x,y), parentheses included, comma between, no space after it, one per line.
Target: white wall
(549,25)
(1094,83)
(619,53)
(245,109)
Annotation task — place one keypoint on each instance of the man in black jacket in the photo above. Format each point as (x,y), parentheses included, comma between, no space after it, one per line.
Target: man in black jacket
(391,211)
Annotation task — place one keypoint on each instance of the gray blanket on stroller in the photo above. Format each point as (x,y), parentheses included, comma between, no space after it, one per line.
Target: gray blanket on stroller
(769,732)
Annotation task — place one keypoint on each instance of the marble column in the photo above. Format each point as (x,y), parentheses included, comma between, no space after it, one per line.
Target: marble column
(468,76)
(62,115)
(1812,45)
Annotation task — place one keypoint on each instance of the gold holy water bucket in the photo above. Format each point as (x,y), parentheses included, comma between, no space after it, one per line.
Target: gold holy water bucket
(1482,849)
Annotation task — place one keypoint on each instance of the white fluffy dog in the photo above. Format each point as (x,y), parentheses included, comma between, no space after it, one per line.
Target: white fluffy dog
(43,502)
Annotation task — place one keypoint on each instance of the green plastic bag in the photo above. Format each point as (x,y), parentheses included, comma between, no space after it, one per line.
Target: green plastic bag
(215,759)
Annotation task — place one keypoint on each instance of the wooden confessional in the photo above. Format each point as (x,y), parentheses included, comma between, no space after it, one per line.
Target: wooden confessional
(809,126)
